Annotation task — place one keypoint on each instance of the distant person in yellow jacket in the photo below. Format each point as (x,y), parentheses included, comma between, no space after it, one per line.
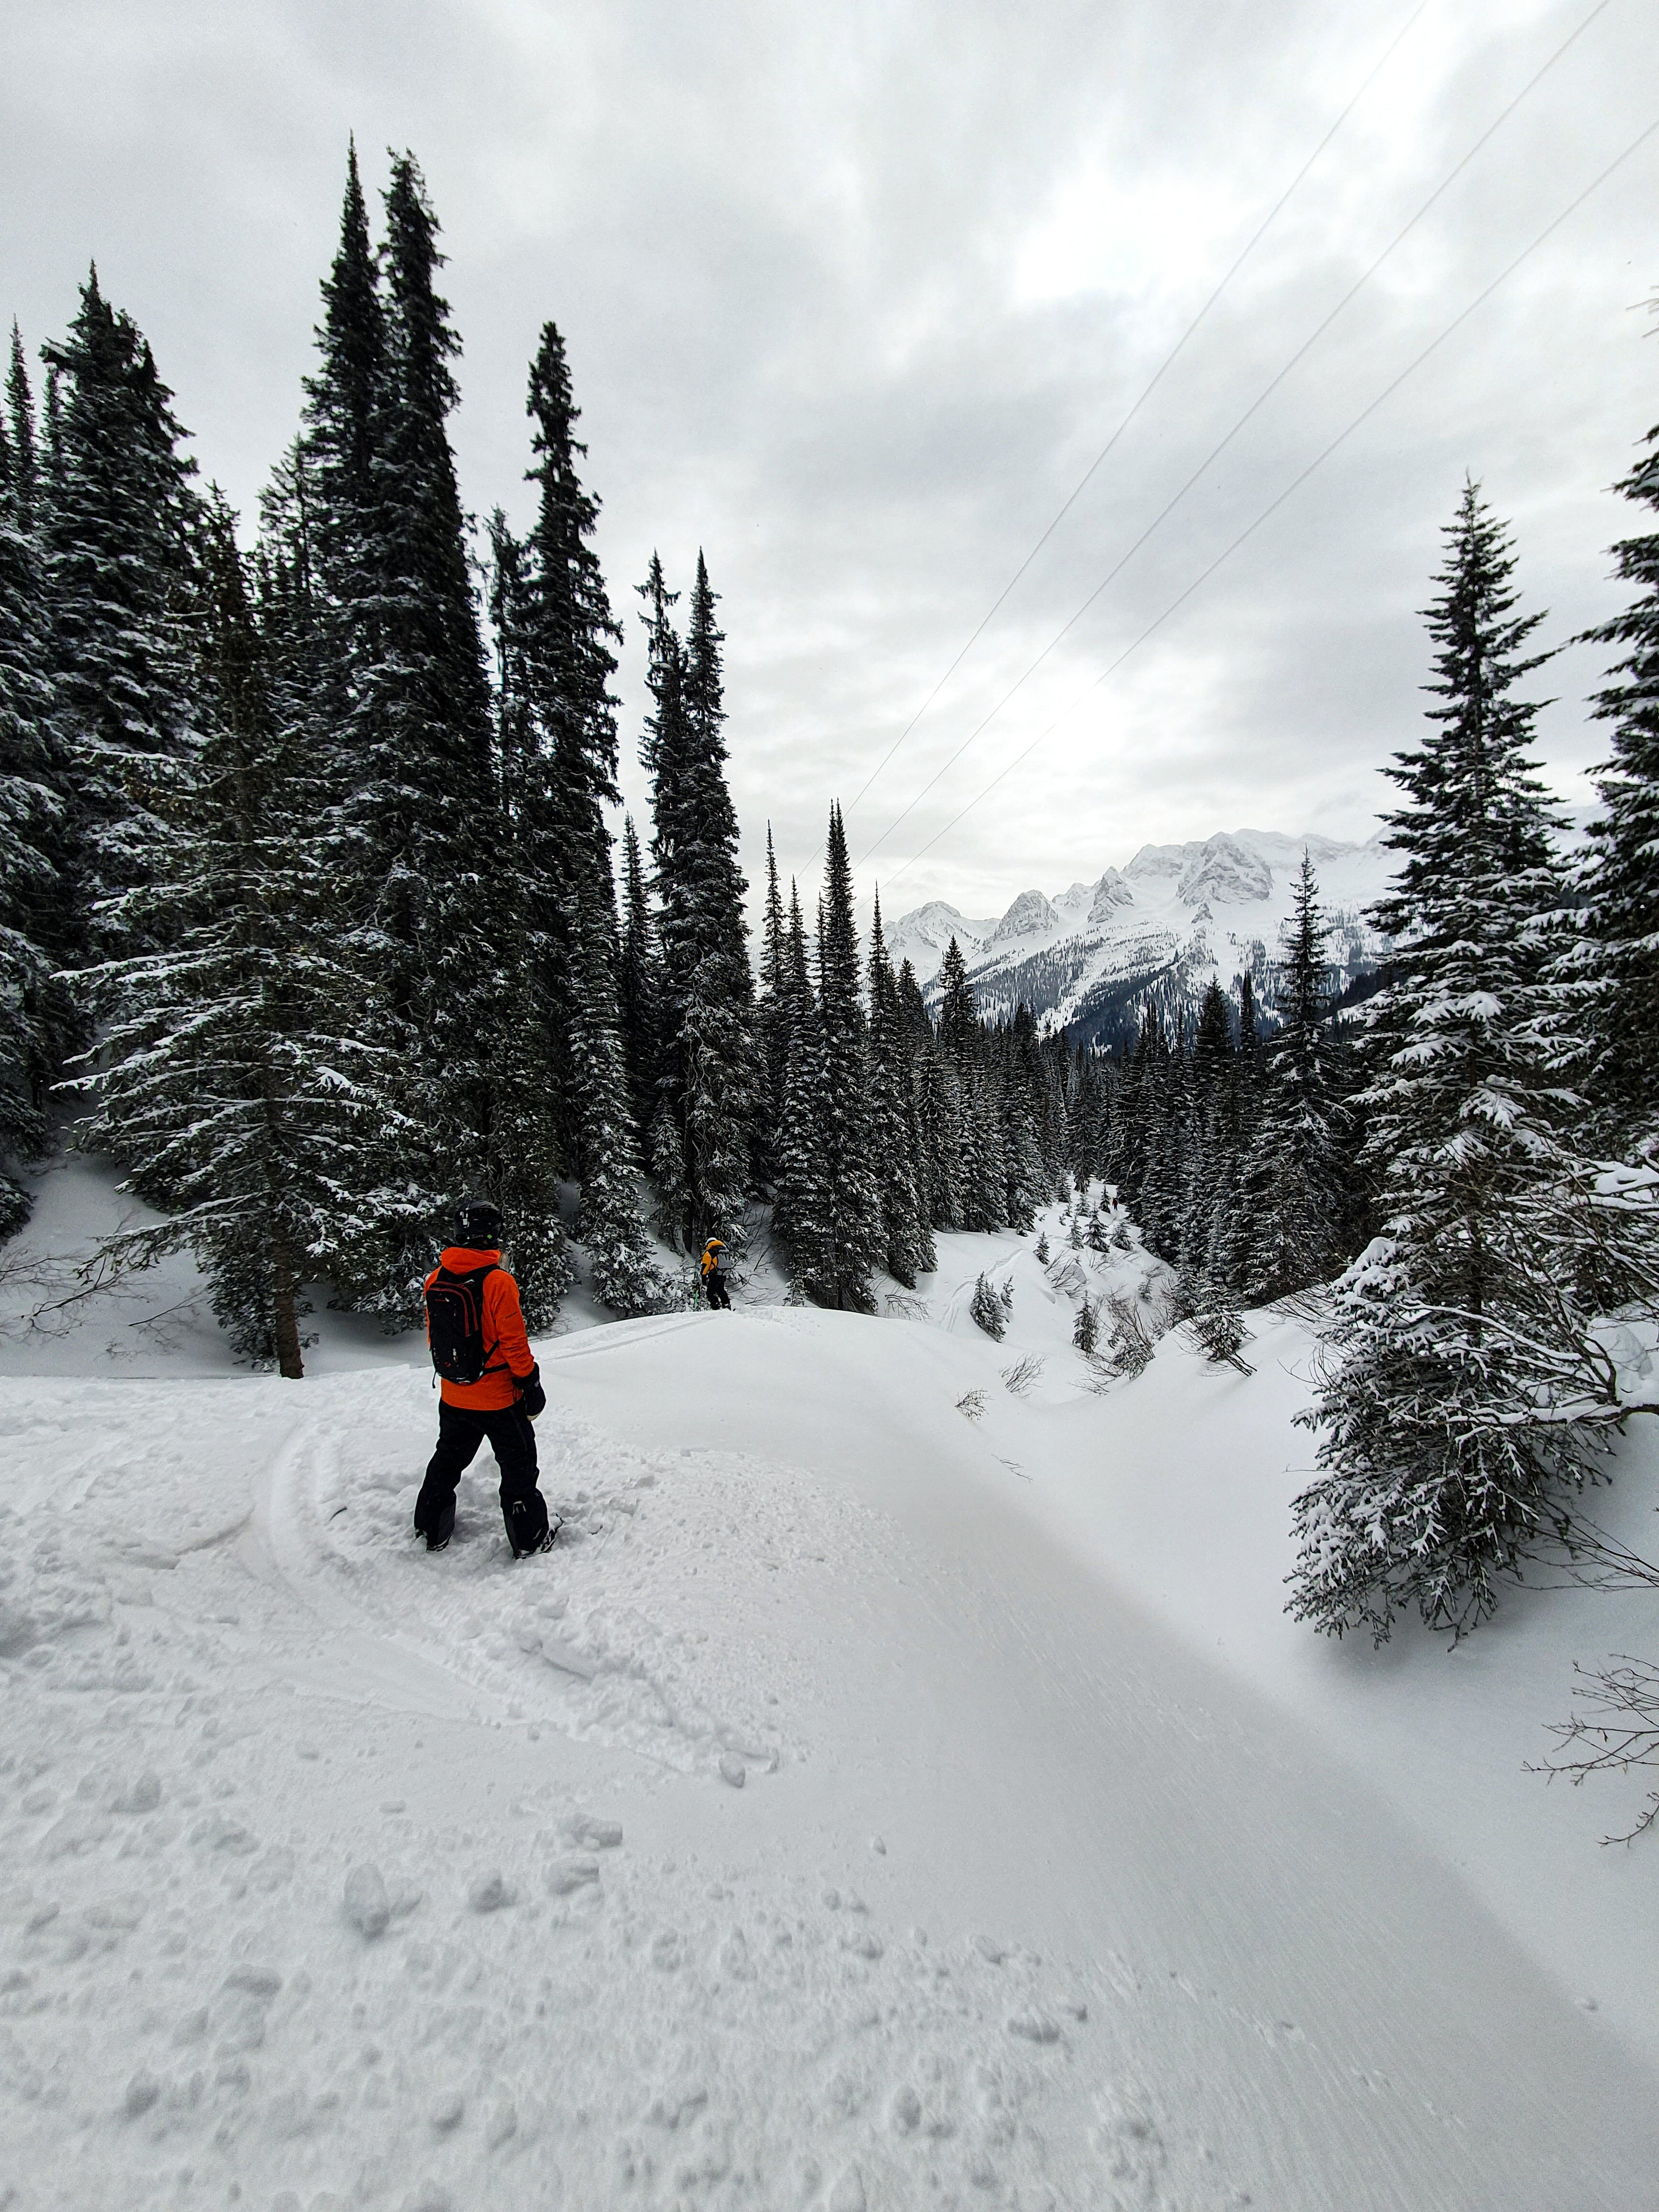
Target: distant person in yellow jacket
(714,1274)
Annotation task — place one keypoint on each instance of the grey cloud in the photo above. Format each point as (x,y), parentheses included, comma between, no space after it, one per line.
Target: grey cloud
(785,245)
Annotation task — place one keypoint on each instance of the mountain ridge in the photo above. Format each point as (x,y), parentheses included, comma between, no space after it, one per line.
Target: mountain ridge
(1174,917)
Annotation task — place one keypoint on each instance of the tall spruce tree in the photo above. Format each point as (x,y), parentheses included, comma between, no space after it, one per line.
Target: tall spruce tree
(638,990)
(959,1016)
(237,1085)
(527,1147)
(341,446)
(906,1244)
(1459,1407)
(798,1212)
(1292,1196)
(846,1229)
(418,825)
(771,1031)
(119,519)
(569,631)
(37,1021)
(23,465)
(1210,1166)
(1623,875)
(708,991)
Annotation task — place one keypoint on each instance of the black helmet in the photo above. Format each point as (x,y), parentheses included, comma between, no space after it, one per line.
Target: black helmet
(478,1225)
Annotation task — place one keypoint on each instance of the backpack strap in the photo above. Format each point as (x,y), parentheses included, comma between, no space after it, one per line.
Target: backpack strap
(479,1276)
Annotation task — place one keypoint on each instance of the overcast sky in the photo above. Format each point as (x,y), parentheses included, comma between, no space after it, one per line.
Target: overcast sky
(853,295)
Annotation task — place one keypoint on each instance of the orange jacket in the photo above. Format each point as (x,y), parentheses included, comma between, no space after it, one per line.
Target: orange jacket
(503,1335)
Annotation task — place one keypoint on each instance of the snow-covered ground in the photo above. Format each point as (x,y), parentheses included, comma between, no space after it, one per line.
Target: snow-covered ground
(875,1800)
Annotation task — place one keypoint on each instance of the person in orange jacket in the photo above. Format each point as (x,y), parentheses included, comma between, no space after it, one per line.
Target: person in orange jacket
(490,1385)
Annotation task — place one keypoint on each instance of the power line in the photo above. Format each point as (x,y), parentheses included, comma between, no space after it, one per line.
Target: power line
(1217,450)
(1295,484)
(1145,393)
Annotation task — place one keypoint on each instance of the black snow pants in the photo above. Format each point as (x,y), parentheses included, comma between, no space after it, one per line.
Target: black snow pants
(461,1430)
(715,1291)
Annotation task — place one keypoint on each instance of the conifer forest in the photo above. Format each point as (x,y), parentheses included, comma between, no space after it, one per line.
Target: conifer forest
(315,917)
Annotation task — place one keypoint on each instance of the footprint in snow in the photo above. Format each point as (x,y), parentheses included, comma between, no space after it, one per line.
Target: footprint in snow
(488,1892)
(597,1835)
(735,1957)
(368,1906)
(848,2195)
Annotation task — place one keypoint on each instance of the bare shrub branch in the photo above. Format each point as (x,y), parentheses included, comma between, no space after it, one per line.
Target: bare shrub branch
(1624,1698)
(1019,1379)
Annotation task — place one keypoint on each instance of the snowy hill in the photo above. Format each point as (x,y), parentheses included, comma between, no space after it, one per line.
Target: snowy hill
(1173,918)
(899,1788)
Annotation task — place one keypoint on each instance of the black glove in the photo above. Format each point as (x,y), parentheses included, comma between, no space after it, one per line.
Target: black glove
(533,1399)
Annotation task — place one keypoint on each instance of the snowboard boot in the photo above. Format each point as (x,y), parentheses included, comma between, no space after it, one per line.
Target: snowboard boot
(438,1536)
(528,1527)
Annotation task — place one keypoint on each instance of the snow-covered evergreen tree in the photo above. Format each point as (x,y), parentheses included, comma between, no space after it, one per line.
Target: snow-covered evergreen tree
(567,632)
(116,531)
(529,1146)
(608,1223)
(708,991)
(22,440)
(798,1214)
(1455,1416)
(1025,1178)
(982,1179)
(1291,1189)
(938,1124)
(958,1019)
(638,990)
(417,826)
(847,1237)
(38,1022)
(1623,875)
(1217,1323)
(238,1081)
(906,1243)
(771,1031)
(987,1309)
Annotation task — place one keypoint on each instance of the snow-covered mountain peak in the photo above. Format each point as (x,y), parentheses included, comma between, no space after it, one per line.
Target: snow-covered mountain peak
(1226,870)
(1030,912)
(1159,861)
(1170,920)
(1109,893)
(923,937)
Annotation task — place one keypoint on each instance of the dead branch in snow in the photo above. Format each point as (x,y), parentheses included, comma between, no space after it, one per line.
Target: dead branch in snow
(1018,1378)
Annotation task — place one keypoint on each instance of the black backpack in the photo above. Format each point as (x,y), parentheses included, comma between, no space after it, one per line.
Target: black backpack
(454,1325)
